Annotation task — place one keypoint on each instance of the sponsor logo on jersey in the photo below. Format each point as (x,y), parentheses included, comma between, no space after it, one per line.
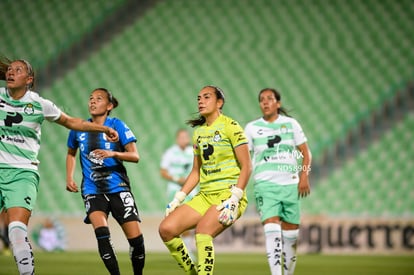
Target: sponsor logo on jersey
(211,171)
(12,139)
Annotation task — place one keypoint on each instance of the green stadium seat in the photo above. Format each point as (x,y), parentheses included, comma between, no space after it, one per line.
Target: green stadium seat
(50,27)
(376,182)
(334,64)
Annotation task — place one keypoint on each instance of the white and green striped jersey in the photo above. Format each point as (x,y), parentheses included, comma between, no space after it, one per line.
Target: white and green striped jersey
(20,128)
(274,153)
(178,162)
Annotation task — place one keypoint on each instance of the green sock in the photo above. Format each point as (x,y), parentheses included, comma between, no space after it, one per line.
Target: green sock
(179,252)
(205,251)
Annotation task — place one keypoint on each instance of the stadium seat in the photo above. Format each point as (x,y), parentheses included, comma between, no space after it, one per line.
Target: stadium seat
(334,63)
(49,27)
(376,182)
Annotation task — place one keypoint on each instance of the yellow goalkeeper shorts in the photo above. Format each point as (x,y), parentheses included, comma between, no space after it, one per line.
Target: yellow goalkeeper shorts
(203,201)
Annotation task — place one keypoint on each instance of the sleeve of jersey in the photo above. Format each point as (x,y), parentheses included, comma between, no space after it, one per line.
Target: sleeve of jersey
(247,130)
(72,142)
(125,134)
(50,111)
(196,149)
(236,134)
(298,133)
(165,160)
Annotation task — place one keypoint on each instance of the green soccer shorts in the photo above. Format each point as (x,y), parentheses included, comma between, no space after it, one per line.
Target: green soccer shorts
(18,188)
(278,201)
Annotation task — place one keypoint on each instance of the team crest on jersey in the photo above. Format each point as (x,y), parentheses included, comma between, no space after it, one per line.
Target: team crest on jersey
(217,136)
(283,129)
(29,109)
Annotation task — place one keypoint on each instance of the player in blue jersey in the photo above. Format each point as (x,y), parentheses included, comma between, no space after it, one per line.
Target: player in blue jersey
(22,113)
(281,165)
(105,184)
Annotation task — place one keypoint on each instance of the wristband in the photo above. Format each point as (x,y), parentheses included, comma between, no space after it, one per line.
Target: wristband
(237,193)
(180,196)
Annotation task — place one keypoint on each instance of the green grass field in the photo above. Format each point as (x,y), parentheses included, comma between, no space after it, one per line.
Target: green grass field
(226,264)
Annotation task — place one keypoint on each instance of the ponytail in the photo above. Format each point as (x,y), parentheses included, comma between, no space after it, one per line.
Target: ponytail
(4,64)
(200,120)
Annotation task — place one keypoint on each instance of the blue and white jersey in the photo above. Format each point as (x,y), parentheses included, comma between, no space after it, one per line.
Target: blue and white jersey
(102,176)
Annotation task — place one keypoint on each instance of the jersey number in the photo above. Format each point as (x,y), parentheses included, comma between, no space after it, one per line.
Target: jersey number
(129,210)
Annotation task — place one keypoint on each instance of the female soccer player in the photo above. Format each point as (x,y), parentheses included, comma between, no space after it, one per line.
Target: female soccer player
(222,168)
(277,142)
(176,163)
(22,113)
(105,184)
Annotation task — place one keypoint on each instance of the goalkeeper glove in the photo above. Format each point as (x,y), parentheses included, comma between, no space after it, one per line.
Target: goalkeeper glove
(230,207)
(179,197)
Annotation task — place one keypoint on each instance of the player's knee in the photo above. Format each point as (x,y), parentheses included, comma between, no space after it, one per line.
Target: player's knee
(102,232)
(163,231)
(166,231)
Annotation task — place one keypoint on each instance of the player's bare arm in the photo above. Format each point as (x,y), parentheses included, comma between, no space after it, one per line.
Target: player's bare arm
(71,185)
(79,124)
(243,157)
(304,186)
(130,154)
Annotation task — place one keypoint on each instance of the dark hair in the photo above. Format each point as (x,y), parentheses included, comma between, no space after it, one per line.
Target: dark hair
(200,120)
(278,97)
(111,98)
(5,63)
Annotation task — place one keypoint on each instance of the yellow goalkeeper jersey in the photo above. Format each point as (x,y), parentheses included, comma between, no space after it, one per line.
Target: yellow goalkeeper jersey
(215,145)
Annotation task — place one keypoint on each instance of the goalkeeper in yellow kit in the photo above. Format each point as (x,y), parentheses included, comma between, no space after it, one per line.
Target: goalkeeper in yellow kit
(222,167)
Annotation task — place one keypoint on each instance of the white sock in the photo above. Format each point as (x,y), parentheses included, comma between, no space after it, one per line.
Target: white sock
(22,250)
(290,241)
(273,235)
